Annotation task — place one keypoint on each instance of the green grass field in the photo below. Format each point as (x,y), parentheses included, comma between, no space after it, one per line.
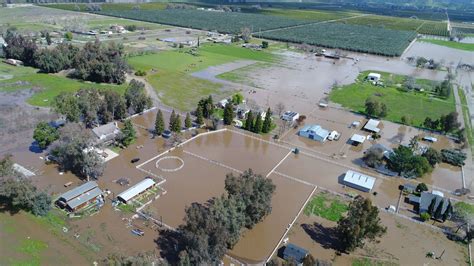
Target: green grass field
(49,86)
(467,121)
(313,15)
(417,106)
(172,80)
(326,206)
(110,6)
(450,44)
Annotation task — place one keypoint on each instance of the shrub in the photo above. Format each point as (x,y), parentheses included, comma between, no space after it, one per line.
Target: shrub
(425,216)
(140,73)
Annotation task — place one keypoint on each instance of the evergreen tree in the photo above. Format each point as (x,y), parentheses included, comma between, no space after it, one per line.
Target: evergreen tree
(187,121)
(177,124)
(432,206)
(448,212)
(159,123)
(439,210)
(172,122)
(199,116)
(249,121)
(257,127)
(228,114)
(209,106)
(128,133)
(267,123)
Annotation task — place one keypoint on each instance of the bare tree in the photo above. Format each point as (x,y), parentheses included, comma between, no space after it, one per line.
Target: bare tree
(279,108)
(246,34)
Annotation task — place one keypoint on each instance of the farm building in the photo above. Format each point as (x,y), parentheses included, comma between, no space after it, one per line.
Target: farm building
(136,190)
(223,103)
(430,139)
(242,110)
(372,125)
(386,151)
(290,116)
(294,253)
(314,132)
(374,77)
(357,139)
(106,132)
(424,201)
(359,181)
(79,197)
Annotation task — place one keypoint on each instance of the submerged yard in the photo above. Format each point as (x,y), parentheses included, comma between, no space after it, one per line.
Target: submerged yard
(416,106)
(326,206)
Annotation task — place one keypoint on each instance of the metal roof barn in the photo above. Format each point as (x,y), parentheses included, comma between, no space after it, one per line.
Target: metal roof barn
(359,181)
(75,192)
(372,125)
(84,198)
(358,138)
(293,252)
(314,132)
(136,190)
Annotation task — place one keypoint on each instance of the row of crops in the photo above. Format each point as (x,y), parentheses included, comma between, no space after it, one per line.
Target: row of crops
(228,22)
(356,38)
(434,28)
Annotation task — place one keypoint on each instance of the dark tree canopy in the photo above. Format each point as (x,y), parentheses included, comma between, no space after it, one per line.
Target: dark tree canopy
(45,134)
(20,47)
(128,134)
(228,114)
(373,107)
(159,123)
(406,163)
(361,223)
(267,122)
(136,97)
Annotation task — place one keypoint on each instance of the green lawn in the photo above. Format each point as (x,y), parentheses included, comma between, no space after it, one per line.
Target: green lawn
(371,262)
(326,206)
(417,106)
(49,86)
(467,120)
(450,44)
(171,76)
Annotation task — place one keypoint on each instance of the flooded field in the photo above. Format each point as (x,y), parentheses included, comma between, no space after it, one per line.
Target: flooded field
(405,243)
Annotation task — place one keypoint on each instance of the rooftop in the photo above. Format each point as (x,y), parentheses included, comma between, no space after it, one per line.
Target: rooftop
(136,189)
(359,179)
(106,130)
(358,138)
(316,129)
(84,198)
(372,125)
(294,252)
(77,191)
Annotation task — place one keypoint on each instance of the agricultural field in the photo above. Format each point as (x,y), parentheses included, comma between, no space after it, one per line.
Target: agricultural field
(47,86)
(451,44)
(169,72)
(349,37)
(110,6)
(396,23)
(417,106)
(205,20)
(312,15)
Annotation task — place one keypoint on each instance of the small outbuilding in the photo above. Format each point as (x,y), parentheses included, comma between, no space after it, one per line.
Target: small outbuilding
(374,77)
(79,197)
(430,139)
(136,190)
(357,139)
(294,253)
(290,116)
(359,181)
(314,132)
(372,125)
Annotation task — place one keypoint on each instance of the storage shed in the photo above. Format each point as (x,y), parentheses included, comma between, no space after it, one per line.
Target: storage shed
(372,125)
(136,190)
(290,116)
(357,139)
(314,132)
(359,181)
(374,77)
(294,253)
(79,197)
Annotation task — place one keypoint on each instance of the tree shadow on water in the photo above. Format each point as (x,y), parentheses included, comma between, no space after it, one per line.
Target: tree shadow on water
(325,236)
(168,242)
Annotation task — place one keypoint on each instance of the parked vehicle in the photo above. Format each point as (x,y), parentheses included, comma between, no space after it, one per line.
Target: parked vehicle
(134,160)
(138,232)
(166,134)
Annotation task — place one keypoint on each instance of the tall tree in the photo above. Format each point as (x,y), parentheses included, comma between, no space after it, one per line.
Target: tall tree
(187,121)
(177,124)
(159,123)
(257,126)
(45,134)
(128,133)
(432,155)
(267,123)
(439,210)
(199,116)
(228,114)
(249,122)
(362,222)
(67,105)
(136,97)
(432,206)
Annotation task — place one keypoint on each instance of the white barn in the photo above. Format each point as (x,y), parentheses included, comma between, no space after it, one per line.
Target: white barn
(374,77)
(359,181)
(136,190)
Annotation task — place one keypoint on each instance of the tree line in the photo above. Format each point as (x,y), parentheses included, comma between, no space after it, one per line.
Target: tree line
(94,62)
(210,229)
